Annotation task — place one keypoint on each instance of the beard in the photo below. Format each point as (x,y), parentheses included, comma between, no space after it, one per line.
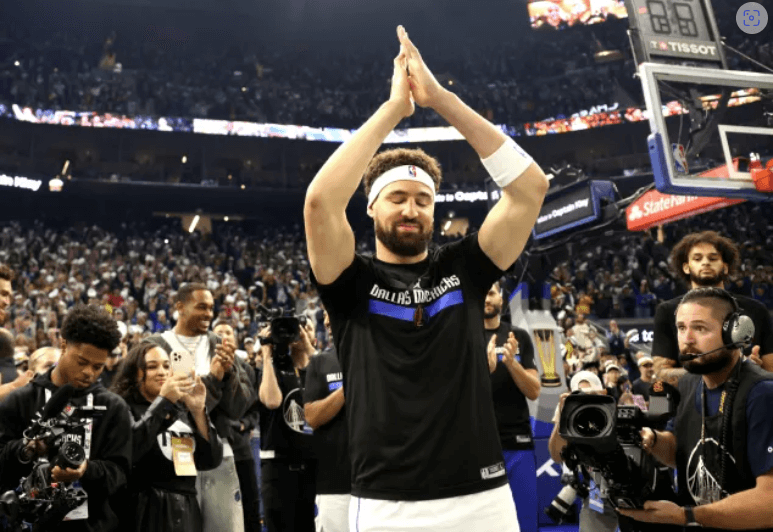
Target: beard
(706,280)
(708,364)
(406,244)
(495,310)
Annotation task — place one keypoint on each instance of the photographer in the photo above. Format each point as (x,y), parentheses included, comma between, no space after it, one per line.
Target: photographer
(88,335)
(597,515)
(170,418)
(719,440)
(288,467)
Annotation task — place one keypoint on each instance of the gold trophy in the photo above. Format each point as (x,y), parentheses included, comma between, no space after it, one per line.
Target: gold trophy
(546,348)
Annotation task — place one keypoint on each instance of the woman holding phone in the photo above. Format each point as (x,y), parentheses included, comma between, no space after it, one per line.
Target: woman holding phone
(173,438)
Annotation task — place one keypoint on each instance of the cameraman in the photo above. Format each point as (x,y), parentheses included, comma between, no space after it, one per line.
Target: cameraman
(597,515)
(719,441)
(288,467)
(89,334)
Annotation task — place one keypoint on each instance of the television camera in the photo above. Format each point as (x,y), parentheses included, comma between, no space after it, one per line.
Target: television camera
(285,330)
(604,439)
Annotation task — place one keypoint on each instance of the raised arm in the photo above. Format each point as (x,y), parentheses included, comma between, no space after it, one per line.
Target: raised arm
(329,236)
(506,229)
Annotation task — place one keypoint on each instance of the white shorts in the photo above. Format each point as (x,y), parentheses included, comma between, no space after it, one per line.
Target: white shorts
(333,513)
(488,511)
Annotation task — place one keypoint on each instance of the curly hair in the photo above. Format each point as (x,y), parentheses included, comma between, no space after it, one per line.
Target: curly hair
(681,252)
(6,273)
(125,382)
(92,325)
(386,160)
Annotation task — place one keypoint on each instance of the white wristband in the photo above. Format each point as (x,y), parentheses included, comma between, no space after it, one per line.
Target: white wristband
(507,163)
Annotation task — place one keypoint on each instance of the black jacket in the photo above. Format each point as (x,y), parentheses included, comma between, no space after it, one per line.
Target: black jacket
(240,439)
(159,499)
(110,460)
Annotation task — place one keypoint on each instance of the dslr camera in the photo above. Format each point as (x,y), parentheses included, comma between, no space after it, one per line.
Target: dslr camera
(604,438)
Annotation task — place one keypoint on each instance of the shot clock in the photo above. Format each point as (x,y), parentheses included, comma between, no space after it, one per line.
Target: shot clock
(675,31)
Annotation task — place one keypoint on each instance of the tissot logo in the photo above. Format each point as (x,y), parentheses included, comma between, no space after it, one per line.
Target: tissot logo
(685,48)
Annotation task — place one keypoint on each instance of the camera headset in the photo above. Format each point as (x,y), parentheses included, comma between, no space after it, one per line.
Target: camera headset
(737,329)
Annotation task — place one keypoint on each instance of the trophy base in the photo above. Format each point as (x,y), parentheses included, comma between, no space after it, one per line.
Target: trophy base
(550,382)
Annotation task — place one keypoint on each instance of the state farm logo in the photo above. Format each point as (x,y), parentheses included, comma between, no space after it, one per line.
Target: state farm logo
(658,205)
(635,213)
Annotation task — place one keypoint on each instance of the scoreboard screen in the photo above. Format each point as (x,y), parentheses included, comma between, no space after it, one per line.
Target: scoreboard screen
(675,30)
(562,14)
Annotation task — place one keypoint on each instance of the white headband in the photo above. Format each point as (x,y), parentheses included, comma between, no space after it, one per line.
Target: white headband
(400,173)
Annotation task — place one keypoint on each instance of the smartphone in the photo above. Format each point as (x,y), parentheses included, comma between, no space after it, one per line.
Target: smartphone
(182,362)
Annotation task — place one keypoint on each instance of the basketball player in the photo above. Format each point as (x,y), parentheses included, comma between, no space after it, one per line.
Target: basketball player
(514,379)
(407,322)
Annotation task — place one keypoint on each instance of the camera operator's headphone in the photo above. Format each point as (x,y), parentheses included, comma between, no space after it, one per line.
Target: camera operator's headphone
(738,328)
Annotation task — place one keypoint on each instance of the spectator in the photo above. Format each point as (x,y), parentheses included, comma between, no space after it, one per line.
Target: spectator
(641,386)
(615,338)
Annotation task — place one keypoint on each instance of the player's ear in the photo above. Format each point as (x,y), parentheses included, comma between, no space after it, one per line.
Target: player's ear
(686,268)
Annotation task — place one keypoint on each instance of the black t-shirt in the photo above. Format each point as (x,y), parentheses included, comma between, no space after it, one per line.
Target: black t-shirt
(418,393)
(510,406)
(284,430)
(665,342)
(334,470)
(639,387)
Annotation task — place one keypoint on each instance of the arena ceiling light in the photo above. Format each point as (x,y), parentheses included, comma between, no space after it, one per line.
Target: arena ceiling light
(55,185)
(194,223)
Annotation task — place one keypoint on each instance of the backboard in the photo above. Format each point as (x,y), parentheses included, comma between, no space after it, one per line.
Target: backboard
(712,113)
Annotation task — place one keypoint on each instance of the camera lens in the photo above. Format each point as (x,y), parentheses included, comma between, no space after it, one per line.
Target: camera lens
(590,421)
(70,455)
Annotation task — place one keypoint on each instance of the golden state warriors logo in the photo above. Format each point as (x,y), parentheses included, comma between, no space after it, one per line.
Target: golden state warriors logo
(292,410)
